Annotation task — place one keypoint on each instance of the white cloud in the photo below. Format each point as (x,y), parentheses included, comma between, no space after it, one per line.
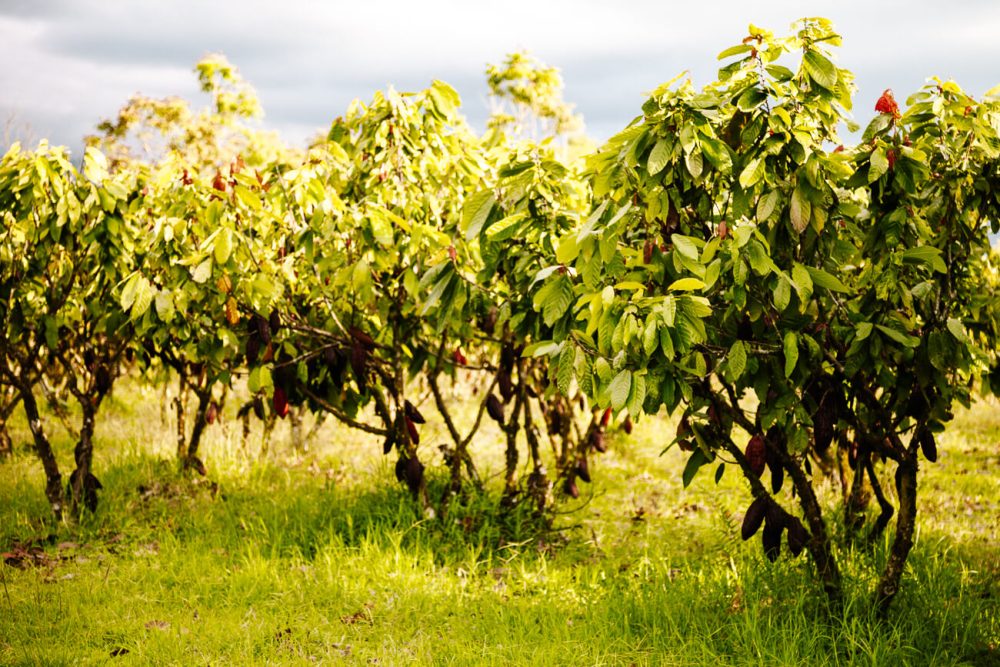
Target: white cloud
(68,64)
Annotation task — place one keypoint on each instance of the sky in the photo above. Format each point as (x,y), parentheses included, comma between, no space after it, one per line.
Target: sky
(67,64)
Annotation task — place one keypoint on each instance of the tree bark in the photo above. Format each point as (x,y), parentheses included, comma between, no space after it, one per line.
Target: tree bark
(83,485)
(190,458)
(53,480)
(906,487)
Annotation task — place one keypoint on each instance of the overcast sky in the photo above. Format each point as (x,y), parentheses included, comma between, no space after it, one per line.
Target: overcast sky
(68,64)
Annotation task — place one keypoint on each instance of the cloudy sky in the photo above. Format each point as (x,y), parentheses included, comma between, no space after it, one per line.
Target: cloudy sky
(69,63)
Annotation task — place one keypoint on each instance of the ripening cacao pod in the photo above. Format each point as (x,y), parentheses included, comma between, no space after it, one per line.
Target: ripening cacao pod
(400,469)
(253,350)
(258,407)
(504,384)
(412,413)
(102,379)
(597,441)
(280,402)
(774,525)
(928,445)
(495,409)
(754,517)
(627,426)
(606,417)
(359,364)
(570,488)
(582,469)
(774,463)
(411,430)
(414,474)
(274,321)
(756,453)
(211,413)
(647,252)
(797,536)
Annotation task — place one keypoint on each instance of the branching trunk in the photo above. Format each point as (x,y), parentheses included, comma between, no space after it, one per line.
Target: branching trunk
(83,484)
(6,444)
(53,480)
(190,459)
(906,488)
(511,455)
(819,545)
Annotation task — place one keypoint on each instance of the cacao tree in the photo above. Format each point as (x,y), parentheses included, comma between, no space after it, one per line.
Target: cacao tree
(742,265)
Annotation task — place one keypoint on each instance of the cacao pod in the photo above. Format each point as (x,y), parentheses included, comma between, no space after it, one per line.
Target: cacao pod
(754,517)
(280,402)
(412,413)
(928,445)
(797,536)
(756,453)
(495,409)
(411,430)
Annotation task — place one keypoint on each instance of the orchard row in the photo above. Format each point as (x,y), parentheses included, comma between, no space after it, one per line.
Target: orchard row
(724,256)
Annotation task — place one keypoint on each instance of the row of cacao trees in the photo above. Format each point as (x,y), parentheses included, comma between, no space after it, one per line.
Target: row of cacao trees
(799,303)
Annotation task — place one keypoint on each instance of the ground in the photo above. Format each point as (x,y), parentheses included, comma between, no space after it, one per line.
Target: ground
(322,557)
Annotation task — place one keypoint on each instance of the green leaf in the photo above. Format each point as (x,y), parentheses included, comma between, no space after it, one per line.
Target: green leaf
(718,154)
(782,294)
(381,229)
(926,254)
(862,331)
(164,306)
(143,297)
(568,249)
(686,246)
(820,70)
(791,346)
(766,205)
(506,228)
(800,210)
(475,212)
(686,285)
(694,463)
(737,50)
(826,280)
(803,282)
(619,389)
(737,360)
(879,165)
(223,245)
(248,198)
(694,162)
(566,373)
(127,297)
(900,337)
(554,299)
(203,271)
(658,157)
(650,337)
(957,329)
(752,173)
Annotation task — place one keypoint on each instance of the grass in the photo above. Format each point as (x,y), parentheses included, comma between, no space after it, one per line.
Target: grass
(323,557)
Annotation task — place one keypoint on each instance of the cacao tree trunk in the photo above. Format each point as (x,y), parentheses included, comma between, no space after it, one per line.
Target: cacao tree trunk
(906,488)
(83,484)
(819,545)
(190,459)
(511,455)
(180,407)
(43,448)
(6,444)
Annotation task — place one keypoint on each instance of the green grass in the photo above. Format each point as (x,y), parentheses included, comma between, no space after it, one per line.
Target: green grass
(323,557)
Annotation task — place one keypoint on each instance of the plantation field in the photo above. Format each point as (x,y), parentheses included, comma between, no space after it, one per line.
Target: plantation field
(321,556)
